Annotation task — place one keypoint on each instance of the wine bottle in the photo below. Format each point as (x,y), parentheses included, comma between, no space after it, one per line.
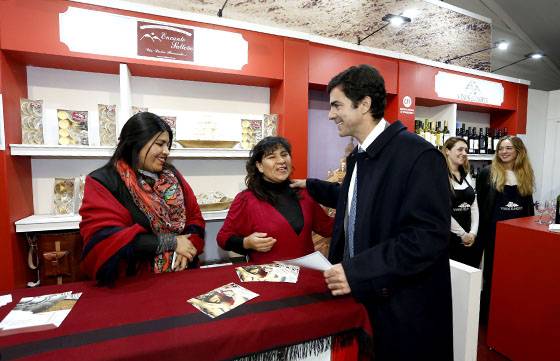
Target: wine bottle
(421,129)
(432,134)
(470,136)
(476,145)
(439,136)
(482,147)
(446,133)
(557,218)
(496,139)
(489,142)
(465,134)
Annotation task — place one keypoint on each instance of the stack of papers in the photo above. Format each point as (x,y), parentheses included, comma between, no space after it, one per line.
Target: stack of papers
(38,313)
(272,272)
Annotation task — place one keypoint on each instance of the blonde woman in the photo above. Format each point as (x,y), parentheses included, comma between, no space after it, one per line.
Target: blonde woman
(504,191)
(464,207)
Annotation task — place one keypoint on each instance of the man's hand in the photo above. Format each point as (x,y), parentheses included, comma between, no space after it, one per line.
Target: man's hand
(298,183)
(468,239)
(259,242)
(336,280)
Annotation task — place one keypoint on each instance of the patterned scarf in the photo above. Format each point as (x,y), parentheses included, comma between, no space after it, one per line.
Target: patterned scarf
(163,202)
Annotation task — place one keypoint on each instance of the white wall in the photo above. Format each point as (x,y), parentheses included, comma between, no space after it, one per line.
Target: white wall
(74,90)
(537,109)
(551,164)
(543,141)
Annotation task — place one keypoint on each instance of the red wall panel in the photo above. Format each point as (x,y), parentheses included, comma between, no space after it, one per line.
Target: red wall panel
(290,101)
(15,188)
(327,61)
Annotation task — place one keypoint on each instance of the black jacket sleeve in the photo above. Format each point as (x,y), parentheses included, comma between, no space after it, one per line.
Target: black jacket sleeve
(323,192)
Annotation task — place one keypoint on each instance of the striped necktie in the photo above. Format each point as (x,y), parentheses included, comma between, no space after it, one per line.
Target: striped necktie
(350,242)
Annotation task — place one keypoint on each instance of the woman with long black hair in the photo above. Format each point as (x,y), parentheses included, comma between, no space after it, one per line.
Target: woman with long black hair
(138,209)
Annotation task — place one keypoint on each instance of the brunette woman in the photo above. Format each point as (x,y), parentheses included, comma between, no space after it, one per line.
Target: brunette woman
(464,207)
(138,209)
(504,191)
(270,221)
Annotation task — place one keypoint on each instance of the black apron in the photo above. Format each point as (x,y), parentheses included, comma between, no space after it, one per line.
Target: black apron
(461,203)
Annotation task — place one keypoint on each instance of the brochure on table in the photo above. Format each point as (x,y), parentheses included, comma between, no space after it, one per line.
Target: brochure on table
(38,313)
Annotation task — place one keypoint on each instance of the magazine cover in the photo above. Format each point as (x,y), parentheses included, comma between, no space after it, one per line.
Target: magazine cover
(268,273)
(38,313)
(222,299)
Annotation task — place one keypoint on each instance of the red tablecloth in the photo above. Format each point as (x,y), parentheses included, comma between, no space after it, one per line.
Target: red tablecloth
(149,318)
(524,321)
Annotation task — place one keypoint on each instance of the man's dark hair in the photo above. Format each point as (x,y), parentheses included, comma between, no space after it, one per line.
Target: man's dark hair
(137,131)
(360,81)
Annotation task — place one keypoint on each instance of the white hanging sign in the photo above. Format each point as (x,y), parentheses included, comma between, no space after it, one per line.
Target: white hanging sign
(97,32)
(464,88)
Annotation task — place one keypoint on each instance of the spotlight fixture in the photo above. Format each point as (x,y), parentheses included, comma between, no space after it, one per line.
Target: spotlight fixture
(502,45)
(536,55)
(220,11)
(395,20)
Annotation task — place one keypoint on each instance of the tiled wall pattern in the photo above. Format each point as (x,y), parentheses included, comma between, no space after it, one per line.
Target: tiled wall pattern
(436,33)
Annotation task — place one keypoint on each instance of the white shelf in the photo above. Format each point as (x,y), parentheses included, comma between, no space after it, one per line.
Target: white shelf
(70,151)
(40,223)
(481,156)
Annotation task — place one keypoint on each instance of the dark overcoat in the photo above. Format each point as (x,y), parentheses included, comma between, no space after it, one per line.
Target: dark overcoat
(401,268)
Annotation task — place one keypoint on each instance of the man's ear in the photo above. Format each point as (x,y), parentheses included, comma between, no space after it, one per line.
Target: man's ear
(365,104)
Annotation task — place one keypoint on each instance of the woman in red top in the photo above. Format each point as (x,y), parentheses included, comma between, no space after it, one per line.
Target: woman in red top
(270,221)
(138,209)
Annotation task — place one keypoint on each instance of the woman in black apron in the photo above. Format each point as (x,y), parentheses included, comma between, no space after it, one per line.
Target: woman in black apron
(504,191)
(464,207)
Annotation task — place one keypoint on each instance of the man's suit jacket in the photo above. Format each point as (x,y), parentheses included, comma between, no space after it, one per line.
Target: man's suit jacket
(400,270)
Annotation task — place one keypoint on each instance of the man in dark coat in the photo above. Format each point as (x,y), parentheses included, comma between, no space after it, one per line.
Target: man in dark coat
(397,262)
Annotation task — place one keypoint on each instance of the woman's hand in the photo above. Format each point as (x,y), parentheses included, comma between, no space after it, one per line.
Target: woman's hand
(185,248)
(468,239)
(259,242)
(181,263)
(298,183)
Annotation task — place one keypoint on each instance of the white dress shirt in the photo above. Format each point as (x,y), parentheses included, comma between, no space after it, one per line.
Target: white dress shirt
(375,132)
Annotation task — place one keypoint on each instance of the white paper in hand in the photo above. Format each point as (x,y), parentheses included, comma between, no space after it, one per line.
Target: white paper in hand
(314,260)
(5,299)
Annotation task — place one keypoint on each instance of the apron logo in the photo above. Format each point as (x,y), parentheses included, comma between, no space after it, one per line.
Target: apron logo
(463,207)
(511,206)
